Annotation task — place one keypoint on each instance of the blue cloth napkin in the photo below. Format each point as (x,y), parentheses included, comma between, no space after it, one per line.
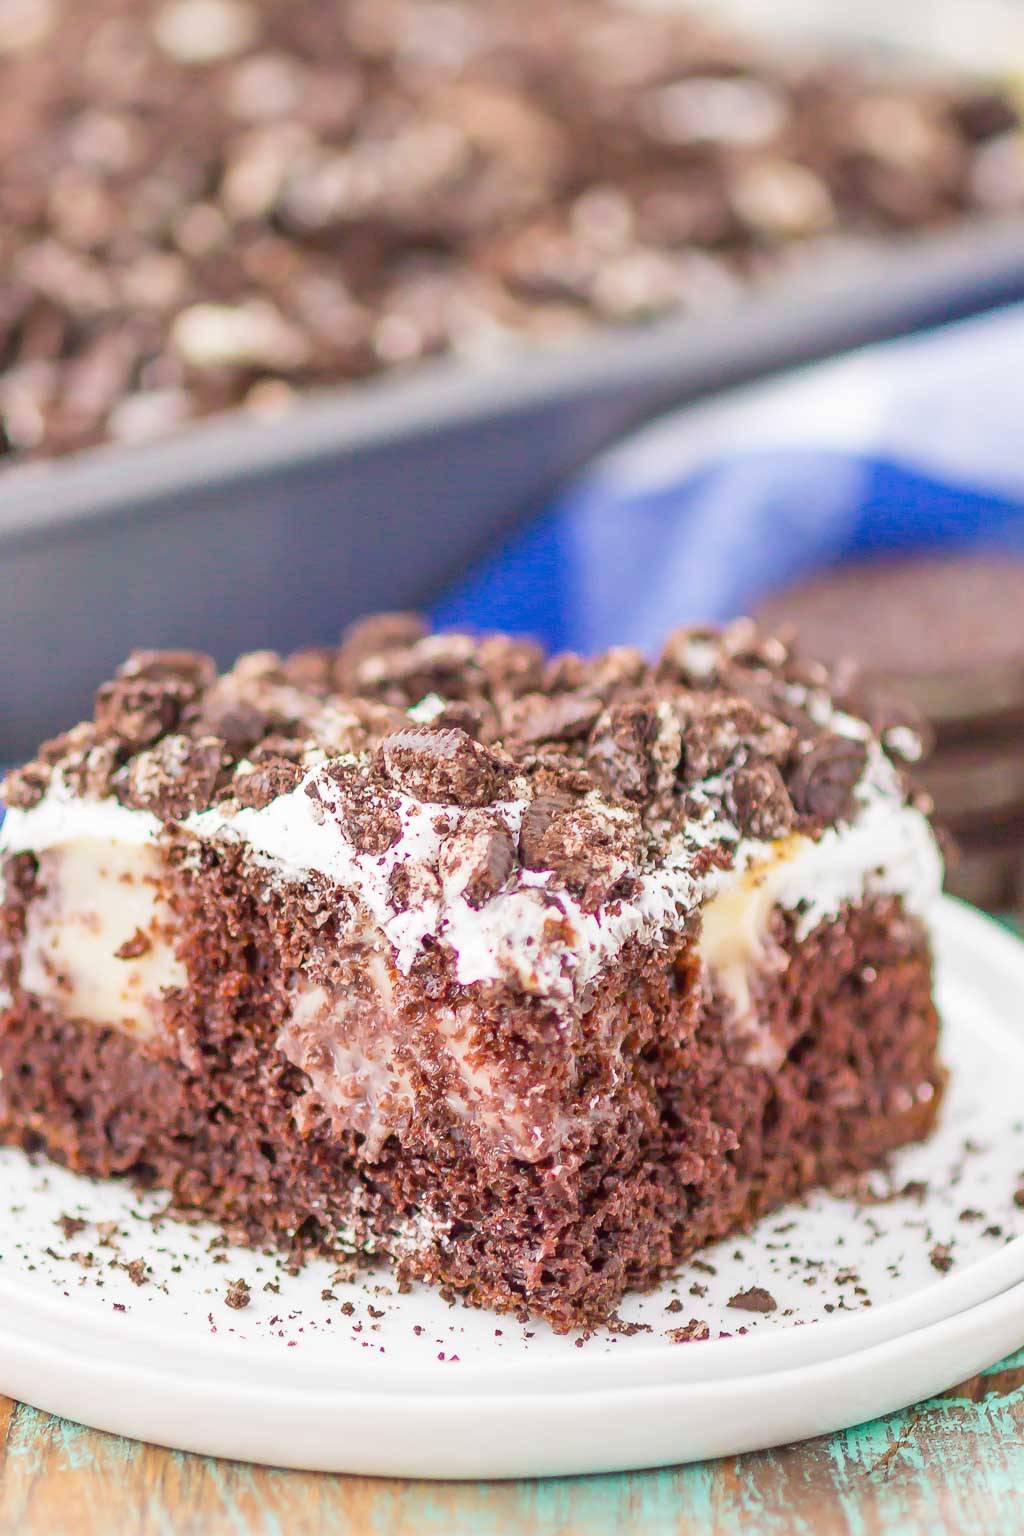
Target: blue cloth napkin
(914,443)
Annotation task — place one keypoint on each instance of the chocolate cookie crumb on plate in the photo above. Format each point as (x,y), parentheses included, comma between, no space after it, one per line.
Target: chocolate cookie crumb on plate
(237,1295)
(756,1299)
(941,1257)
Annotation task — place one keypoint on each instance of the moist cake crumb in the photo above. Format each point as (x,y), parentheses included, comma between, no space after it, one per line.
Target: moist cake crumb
(695,1331)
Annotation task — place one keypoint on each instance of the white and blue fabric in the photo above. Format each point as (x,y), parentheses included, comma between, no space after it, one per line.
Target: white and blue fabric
(916,443)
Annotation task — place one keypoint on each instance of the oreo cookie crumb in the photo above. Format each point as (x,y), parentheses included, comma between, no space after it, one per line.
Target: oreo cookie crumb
(237,1295)
(756,1299)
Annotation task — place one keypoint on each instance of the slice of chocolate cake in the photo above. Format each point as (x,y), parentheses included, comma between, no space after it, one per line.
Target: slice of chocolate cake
(530,974)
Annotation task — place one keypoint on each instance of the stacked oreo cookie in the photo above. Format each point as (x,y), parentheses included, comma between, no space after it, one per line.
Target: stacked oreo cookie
(947,634)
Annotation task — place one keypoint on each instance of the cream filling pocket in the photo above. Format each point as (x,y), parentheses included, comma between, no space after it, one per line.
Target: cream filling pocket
(98,936)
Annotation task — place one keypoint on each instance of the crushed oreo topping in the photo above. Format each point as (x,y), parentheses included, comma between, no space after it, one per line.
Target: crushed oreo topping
(172,778)
(412,884)
(402,675)
(375,636)
(258,785)
(137,710)
(538,834)
(23,788)
(445,767)
(941,1257)
(237,720)
(190,671)
(477,860)
(823,778)
(759,802)
(719,727)
(541,775)
(535,718)
(621,749)
(589,847)
(367,813)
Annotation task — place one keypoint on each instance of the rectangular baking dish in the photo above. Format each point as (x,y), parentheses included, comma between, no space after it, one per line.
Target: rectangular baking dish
(238,534)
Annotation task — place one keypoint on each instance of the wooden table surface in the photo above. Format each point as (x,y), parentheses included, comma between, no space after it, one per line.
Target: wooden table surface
(953,1466)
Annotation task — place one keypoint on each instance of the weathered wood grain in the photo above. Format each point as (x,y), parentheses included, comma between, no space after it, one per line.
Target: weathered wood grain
(953,1466)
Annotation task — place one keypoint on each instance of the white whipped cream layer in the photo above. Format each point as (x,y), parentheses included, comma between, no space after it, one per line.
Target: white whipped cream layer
(886,848)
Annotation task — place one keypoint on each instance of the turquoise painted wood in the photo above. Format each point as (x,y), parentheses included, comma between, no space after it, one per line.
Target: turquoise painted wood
(953,1466)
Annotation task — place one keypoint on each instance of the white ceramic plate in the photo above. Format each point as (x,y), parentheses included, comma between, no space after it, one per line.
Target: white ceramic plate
(348,1375)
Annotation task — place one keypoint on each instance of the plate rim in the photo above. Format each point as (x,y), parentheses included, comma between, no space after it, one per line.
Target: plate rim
(534,1434)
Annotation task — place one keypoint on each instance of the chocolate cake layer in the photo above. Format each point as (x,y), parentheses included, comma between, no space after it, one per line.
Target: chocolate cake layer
(531,974)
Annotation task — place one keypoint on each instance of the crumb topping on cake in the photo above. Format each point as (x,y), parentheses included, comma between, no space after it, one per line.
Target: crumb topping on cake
(516,817)
(449,719)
